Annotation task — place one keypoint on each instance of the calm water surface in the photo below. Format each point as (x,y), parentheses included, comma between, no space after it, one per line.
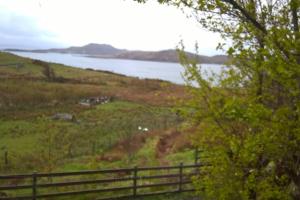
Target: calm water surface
(142,69)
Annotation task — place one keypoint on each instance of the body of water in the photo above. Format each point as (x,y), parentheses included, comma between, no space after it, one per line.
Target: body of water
(142,69)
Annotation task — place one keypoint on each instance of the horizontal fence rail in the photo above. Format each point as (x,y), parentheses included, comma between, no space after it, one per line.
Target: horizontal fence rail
(125,183)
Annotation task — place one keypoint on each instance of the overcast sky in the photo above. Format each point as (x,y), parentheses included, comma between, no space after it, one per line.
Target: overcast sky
(124,24)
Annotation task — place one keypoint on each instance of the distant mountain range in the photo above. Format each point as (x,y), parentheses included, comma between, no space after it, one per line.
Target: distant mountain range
(108,51)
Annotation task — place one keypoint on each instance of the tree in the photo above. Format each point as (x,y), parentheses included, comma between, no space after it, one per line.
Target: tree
(47,71)
(248,117)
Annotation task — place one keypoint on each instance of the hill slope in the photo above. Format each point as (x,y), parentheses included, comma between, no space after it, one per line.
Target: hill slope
(104,134)
(89,49)
(169,56)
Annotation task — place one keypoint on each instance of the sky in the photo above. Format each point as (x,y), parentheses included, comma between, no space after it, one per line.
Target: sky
(41,24)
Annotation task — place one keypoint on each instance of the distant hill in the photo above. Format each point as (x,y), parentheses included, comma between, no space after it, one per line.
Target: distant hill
(108,51)
(169,56)
(89,49)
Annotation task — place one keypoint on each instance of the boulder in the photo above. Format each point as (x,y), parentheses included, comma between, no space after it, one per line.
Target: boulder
(64,116)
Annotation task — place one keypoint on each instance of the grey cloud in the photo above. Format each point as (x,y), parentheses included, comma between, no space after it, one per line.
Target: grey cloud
(17,31)
(25,42)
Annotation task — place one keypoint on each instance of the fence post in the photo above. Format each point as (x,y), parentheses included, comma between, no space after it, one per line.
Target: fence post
(34,182)
(135,173)
(180,177)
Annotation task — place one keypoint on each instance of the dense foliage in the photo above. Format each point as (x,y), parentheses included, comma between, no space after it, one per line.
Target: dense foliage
(248,123)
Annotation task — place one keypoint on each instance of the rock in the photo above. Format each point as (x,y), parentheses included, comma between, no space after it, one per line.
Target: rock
(85,104)
(64,116)
(95,101)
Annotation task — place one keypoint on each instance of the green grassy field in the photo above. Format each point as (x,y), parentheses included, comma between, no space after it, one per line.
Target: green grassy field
(102,136)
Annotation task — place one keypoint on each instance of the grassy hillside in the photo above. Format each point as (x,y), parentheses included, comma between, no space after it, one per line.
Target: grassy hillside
(138,126)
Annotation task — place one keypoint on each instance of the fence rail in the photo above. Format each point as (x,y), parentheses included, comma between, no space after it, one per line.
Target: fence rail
(132,181)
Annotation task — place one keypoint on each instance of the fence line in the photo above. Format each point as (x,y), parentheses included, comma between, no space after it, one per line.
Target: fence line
(134,176)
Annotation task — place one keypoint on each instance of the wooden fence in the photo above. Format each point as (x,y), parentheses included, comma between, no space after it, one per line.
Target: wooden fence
(133,182)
